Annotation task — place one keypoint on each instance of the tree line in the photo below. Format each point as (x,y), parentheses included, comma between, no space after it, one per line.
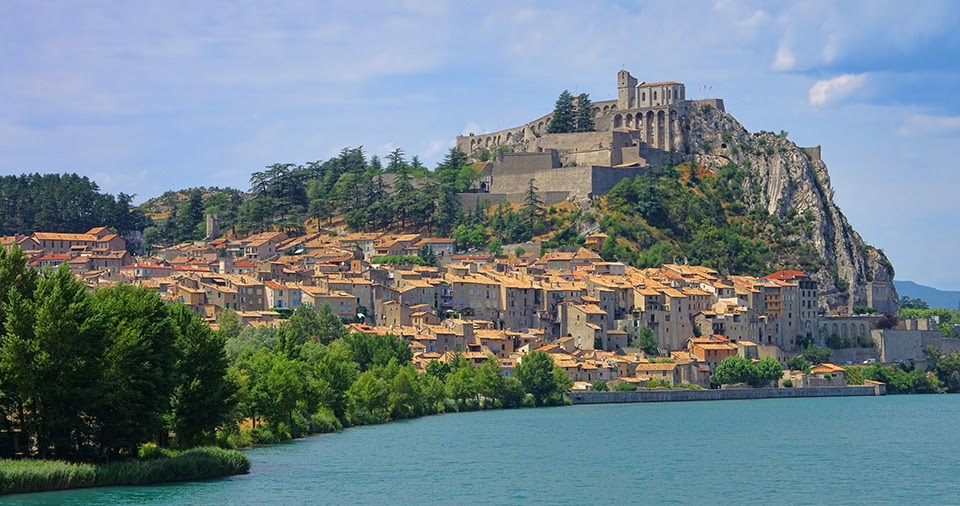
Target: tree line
(370,195)
(311,375)
(91,376)
(62,203)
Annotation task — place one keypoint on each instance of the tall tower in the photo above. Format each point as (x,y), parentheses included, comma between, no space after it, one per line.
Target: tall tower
(626,90)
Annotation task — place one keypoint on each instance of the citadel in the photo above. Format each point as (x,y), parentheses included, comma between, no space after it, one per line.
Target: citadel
(639,131)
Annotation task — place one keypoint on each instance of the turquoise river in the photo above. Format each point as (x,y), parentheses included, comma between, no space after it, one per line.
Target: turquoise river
(863,450)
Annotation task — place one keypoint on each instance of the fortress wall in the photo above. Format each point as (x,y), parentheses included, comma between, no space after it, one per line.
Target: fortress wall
(469,200)
(630,155)
(605,178)
(812,153)
(573,142)
(578,181)
(716,103)
(590,158)
(514,162)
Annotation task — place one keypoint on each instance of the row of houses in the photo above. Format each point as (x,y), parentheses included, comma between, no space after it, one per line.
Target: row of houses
(585,311)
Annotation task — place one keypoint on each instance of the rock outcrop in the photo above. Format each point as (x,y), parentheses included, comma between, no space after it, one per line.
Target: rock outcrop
(789,181)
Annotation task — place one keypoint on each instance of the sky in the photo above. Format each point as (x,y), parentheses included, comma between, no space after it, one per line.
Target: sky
(145,97)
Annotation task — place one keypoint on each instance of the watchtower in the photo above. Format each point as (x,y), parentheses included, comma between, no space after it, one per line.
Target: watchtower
(626,90)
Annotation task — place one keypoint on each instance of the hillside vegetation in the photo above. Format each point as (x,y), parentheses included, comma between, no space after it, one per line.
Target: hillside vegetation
(698,216)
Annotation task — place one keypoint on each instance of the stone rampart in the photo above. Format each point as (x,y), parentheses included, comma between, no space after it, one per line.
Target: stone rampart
(664,395)
(854,355)
(472,143)
(469,200)
(579,182)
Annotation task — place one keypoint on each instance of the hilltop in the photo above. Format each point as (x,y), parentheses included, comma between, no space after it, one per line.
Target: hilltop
(671,179)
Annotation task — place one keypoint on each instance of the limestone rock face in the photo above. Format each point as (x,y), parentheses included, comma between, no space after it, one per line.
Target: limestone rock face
(787,180)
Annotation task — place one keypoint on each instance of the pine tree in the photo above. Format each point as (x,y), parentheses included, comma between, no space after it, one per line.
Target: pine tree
(584,117)
(532,209)
(564,115)
(395,160)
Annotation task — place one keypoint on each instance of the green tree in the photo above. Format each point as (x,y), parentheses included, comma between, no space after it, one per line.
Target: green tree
(646,340)
(734,369)
(539,377)
(913,303)
(139,367)
(946,366)
(584,117)
(404,394)
(599,386)
(495,246)
(798,363)
(490,380)
(564,115)
(532,210)
(203,397)
(369,399)
(427,255)
(431,393)
(377,350)
(228,323)
(816,355)
(461,385)
(513,394)
(470,237)
(768,371)
(326,326)
(337,369)
(49,361)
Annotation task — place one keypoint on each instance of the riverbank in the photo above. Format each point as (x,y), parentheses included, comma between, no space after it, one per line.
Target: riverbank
(666,395)
(21,476)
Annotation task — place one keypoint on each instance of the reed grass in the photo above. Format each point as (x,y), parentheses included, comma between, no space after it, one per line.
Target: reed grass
(19,476)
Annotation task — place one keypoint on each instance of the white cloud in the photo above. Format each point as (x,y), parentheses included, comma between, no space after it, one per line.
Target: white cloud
(831,90)
(437,147)
(785,60)
(830,49)
(925,124)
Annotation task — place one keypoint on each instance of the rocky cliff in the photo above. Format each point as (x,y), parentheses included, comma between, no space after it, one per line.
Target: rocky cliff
(792,184)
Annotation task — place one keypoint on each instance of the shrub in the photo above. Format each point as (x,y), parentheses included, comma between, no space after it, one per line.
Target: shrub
(787,383)
(325,421)
(262,435)
(150,451)
(626,387)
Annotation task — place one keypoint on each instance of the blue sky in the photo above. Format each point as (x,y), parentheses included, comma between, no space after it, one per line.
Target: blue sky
(145,97)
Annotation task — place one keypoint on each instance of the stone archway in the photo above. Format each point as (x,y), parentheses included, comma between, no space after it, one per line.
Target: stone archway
(649,136)
(674,128)
(617,121)
(661,130)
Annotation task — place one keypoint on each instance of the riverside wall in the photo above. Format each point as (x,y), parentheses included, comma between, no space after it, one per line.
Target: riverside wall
(663,395)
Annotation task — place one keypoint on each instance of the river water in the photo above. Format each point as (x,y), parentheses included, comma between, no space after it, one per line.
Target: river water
(859,450)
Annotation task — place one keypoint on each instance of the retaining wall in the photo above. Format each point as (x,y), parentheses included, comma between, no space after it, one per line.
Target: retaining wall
(663,395)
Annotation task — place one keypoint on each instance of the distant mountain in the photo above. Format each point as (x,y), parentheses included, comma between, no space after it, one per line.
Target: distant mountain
(936,298)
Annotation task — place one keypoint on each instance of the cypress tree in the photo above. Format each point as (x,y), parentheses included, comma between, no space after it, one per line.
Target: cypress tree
(584,118)
(564,115)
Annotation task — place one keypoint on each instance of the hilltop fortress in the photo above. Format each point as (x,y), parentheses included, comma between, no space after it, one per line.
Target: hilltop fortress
(641,130)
